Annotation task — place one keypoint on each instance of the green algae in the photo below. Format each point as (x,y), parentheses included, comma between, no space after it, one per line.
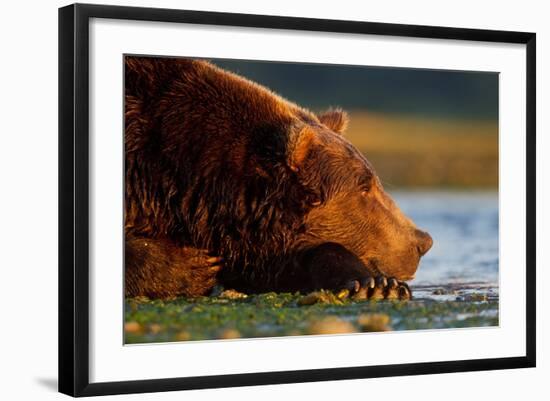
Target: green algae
(285,314)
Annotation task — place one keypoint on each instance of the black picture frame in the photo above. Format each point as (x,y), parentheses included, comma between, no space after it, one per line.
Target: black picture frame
(74,198)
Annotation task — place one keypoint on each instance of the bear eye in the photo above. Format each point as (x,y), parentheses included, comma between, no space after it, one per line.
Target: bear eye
(315,200)
(365,189)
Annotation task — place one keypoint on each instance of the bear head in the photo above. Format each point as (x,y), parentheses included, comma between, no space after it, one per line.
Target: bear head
(350,206)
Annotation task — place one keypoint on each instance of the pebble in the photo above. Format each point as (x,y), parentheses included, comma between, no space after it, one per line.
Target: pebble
(443,291)
(232,294)
(331,325)
(374,322)
(230,334)
(183,336)
(472,298)
(321,297)
(132,327)
(155,328)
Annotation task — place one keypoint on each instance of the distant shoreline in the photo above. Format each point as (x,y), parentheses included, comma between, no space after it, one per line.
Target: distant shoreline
(428,153)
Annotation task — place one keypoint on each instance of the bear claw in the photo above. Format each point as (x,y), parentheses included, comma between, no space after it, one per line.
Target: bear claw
(214,260)
(200,259)
(380,288)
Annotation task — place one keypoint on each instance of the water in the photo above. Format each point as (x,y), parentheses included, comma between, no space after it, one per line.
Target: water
(464,227)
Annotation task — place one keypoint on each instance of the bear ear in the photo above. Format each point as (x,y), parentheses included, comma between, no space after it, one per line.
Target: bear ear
(300,147)
(335,119)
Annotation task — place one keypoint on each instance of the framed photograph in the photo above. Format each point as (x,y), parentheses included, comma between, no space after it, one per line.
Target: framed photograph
(250,199)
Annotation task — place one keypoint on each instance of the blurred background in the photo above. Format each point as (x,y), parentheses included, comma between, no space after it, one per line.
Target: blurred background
(419,128)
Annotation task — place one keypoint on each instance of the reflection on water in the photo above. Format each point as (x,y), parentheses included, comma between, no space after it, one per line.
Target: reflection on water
(464,227)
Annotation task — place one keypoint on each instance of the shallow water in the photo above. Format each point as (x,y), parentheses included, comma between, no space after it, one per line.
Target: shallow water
(464,227)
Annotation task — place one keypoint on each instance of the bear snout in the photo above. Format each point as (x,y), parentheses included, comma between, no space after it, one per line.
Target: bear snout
(424,242)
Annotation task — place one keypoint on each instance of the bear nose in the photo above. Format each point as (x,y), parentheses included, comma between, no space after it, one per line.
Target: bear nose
(424,241)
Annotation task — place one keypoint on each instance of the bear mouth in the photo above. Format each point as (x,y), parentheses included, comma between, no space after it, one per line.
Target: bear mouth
(375,266)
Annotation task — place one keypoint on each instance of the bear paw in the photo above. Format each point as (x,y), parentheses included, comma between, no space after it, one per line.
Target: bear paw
(380,288)
(199,270)
(201,259)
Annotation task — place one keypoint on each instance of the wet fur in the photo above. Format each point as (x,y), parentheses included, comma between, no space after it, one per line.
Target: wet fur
(202,170)
(218,163)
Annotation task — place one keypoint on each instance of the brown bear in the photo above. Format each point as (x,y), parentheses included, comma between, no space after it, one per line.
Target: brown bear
(228,183)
